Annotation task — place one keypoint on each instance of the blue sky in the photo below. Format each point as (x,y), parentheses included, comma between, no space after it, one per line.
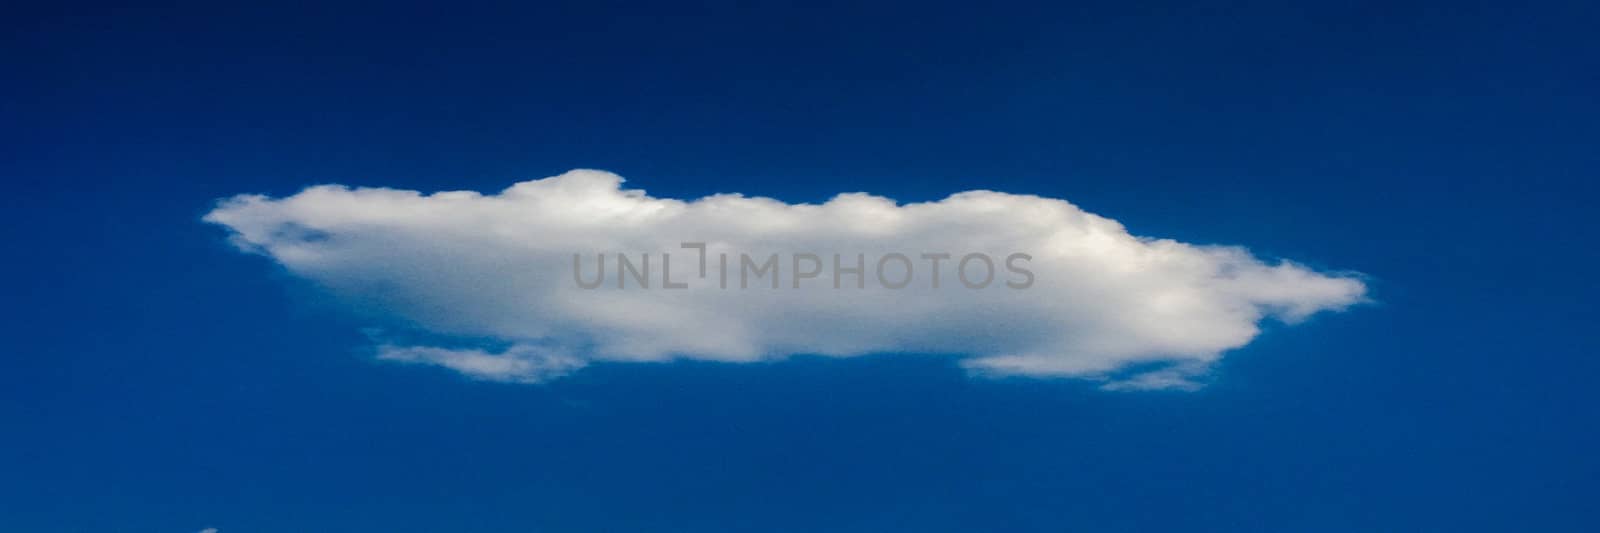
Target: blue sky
(155,379)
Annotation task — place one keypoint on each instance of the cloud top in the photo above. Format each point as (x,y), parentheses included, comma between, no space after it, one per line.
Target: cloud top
(510,267)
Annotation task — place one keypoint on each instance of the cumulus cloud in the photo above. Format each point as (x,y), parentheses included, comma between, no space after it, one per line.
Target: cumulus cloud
(512,267)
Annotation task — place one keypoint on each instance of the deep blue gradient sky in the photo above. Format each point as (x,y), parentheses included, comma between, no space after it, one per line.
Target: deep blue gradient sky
(152,379)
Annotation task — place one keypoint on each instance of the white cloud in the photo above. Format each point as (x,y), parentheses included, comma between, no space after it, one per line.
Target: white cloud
(501,267)
(518,364)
